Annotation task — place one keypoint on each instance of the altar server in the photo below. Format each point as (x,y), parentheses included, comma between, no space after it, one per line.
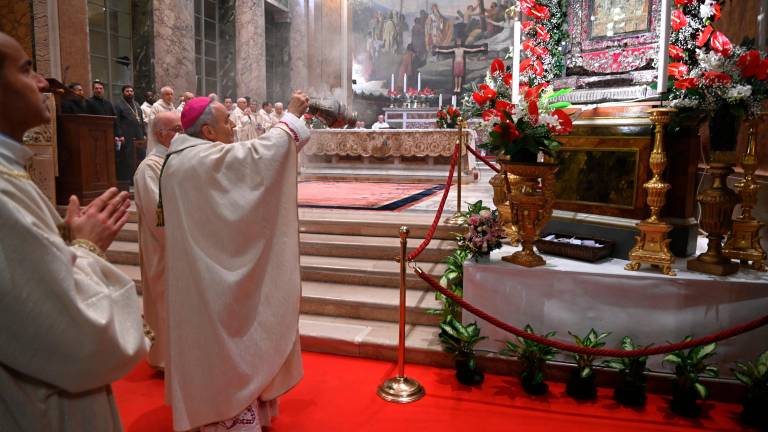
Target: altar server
(233,286)
(164,104)
(71,321)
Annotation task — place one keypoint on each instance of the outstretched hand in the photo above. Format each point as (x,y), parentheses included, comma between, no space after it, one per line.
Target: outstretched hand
(298,104)
(101,220)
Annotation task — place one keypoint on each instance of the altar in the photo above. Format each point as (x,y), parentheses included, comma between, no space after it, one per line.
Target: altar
(410,118)
(567,295)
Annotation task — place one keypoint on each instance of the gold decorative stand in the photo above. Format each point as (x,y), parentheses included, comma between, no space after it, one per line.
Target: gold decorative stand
(743,243)
(499,183)
(652,245)
(458,218)
(401,389)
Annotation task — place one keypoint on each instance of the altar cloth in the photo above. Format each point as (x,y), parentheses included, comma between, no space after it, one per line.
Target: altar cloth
(567,295)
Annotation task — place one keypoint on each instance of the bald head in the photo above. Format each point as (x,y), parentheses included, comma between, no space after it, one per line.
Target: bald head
(165,126)
(22,104)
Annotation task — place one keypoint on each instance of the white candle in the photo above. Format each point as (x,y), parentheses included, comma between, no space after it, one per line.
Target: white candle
(418,82)
(453,100)
(392,84)
(761,25)
(517,40)
(405,84)
(440,101)
(663,61)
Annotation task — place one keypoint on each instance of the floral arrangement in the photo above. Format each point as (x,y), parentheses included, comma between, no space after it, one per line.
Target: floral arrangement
(708,73)
(412,92)
(427,93)
(518,129)
(485,231)
(448,118)
(544,34)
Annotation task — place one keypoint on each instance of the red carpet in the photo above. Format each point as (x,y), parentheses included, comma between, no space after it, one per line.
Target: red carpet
(363,195)
(339,394)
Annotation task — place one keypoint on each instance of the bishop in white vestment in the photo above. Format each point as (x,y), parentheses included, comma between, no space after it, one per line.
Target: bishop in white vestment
(232,254)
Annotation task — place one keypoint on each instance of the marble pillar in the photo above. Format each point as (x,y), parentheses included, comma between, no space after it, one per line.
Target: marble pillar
(314,46)
(174,33)
(143,41)
(299,45)
(227,49)
(251,49)
(332,42)
(74,43)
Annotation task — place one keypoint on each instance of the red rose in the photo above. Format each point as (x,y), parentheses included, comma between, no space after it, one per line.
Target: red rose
(528,45)
(497,66)
(704,36)
(676,52)
(480,98)
(502,105)
(538,12)
(538,68)
(488,92)
(489,114)
(540,51)
(717,78)
(762,70)
(677,70)
(687,83)
(678,20)
(721,44)
(566,124)
(541,33)
(507,79)
(525,64)
(748,63)
(525,26)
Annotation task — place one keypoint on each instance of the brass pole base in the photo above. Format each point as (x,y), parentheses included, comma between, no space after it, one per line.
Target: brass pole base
(401,390)
(743,244)
(456,219)
(652,248)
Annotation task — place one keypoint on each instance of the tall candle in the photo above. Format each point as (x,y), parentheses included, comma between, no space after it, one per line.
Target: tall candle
(517,36)
(392,84)
(418,82)
(761,25)
(663,61)
(440,101)
(405,84)
(453,100)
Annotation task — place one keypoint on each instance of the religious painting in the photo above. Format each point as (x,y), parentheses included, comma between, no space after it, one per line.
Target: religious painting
(448,42)
(612,36)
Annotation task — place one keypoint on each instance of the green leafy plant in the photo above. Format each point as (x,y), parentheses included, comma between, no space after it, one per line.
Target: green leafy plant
(689,367)
(460,340)
(754,375)
(533,357)
(581,385)
(631,392)
(453,280)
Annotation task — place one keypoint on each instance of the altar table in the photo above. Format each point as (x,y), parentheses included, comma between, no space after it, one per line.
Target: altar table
(567,295)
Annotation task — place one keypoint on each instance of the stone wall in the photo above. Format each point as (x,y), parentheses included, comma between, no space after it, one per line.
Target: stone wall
(249,55)
(16,20)
(174,60)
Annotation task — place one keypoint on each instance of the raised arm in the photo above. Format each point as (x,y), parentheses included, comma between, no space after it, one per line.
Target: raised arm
(483,47)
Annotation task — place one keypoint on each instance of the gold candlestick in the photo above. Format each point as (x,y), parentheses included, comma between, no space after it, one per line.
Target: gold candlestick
(743,243)
(458,217)
(652,245)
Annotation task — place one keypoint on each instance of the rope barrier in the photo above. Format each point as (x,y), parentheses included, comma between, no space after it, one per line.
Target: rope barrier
(600,352)
(483,159)
(428,238)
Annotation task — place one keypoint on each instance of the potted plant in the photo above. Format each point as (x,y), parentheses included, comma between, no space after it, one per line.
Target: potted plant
(484,232)
(631,391)
(448,118)
(452,279)
(755,377)
(581,384)
(687,388)
(533,357)
(460,340)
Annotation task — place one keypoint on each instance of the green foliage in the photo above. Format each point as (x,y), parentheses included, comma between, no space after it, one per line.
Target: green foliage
(452,279)
(593,339)
(633,369)
(754,375)
(691,365)
(533,356)
(460,340)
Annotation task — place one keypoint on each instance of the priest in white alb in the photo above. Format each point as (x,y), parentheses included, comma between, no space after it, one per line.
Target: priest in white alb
(232,256)
(71,321)
(163,128)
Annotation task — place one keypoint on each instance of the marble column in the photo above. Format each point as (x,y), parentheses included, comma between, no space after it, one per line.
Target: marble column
(332,42)
(299,45)
(174,33)
(251,49)
(314,45)
(74,43)
(46,26)
(143,41)
(227,49)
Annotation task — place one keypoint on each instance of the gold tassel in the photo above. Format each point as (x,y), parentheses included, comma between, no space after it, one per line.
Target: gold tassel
(160,216)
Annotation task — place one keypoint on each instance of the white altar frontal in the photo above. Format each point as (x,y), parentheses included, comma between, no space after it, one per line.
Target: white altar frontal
(411,118)
(567,295)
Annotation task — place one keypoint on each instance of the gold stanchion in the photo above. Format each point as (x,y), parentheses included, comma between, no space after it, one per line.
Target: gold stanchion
(401,389)
(652,245)
(458,218)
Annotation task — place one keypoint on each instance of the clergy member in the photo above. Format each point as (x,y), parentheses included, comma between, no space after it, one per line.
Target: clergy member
(265,116)
(184,98)
(234,285)
(130,127)
(380,124)
(74,104)
(97,105)
(277,114)
(163,128)
(71,321)
(164,104)
(146,107)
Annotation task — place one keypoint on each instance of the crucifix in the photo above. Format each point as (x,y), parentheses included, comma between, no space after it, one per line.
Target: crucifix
(459,52)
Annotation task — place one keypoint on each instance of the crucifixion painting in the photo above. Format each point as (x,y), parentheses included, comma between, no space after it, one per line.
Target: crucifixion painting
(459,52)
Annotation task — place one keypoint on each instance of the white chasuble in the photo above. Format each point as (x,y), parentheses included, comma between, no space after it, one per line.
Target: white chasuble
(152,251)
(71,321)
(232,257)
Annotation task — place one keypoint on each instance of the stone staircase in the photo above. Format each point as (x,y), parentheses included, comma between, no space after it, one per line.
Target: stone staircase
(350,282)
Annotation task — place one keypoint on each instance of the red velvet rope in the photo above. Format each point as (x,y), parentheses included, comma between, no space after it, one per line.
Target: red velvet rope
(483,159)
(431,233)
(601,352)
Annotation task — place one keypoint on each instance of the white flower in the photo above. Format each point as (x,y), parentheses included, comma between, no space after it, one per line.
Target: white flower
(485,213)
(711,60)
(739,92)
(707,9)
(549,120)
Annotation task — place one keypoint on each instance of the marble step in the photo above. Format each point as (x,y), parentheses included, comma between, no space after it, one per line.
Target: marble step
(373,224)
(371,247)
(361,271)
(367,302)
(129,233)
(123,252)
